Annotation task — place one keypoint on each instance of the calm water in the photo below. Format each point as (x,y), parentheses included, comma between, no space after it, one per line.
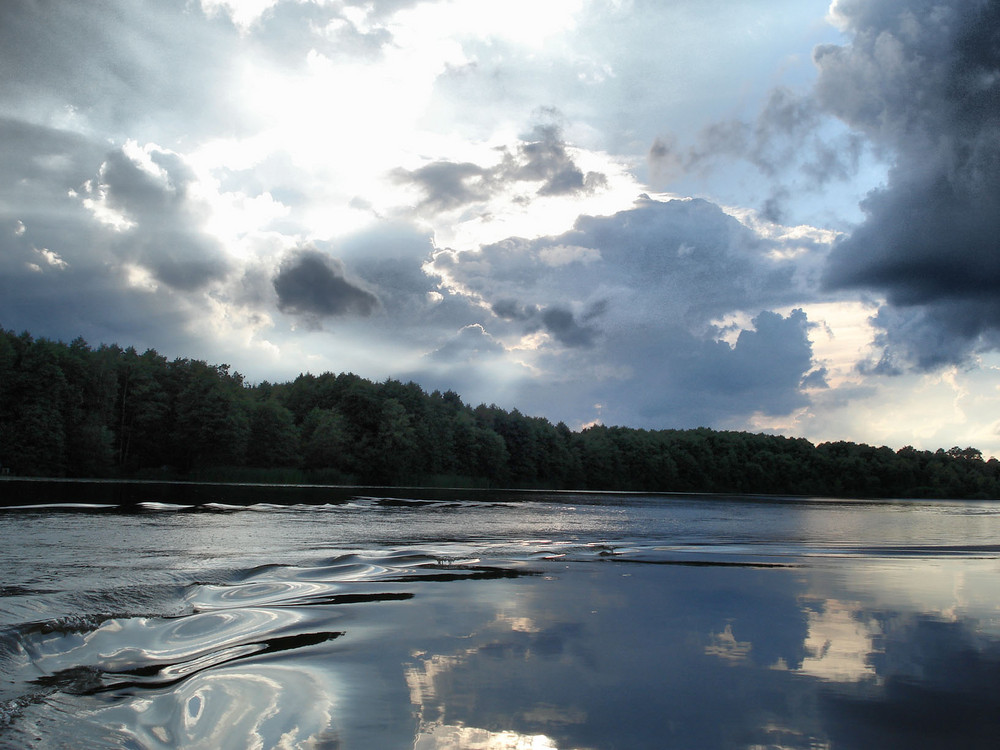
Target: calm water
(434,621)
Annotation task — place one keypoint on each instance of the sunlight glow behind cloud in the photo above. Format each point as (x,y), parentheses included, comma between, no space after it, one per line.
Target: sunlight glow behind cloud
(654,207)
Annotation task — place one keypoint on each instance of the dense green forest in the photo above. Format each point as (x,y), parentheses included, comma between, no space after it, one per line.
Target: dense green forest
(67,410)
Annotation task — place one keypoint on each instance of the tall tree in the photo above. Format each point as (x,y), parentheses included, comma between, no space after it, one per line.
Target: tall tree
(210,421)
(273,439)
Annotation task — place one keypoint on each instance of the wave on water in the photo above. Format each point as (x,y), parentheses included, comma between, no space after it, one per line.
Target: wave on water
(212,623)
(355,502)
(255,621)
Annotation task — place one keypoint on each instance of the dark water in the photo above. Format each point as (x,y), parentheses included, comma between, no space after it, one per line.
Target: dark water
(434,621)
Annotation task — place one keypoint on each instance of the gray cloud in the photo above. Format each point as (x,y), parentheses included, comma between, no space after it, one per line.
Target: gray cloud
(471,343)
(921,79)
(541,157)
(787,143)
(142,194)
(449,185)
(544,159)
(766,364)
(919,86)
(85,299)
(628,302)
(684,259)
(86,295)
(389,258)
(314,286)
(61,270)
(42,164)
(564,326)
(510,309)
(166,234)
(705,381)
(105,62)
(782,128)
(657,376)
(184,261)
(931,336)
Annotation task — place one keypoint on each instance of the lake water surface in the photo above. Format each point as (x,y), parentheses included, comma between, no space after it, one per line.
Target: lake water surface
(433,620)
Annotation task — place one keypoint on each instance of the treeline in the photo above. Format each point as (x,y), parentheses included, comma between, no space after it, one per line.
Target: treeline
(67,410)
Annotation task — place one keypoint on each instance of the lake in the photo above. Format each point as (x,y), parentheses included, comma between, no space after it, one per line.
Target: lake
(199,616)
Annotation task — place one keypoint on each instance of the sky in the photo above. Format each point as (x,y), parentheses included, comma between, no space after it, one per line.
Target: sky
(777,217)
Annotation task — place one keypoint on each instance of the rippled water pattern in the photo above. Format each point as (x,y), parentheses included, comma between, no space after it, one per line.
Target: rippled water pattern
(501,620)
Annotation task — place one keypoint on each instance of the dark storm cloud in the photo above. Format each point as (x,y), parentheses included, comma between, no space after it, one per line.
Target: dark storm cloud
(921,79)
(313,285)
(930,336)
(541,157)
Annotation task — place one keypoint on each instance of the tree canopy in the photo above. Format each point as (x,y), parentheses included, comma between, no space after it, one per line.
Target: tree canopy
(68,410)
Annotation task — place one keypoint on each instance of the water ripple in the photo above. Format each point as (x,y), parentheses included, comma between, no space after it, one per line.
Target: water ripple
(202,666)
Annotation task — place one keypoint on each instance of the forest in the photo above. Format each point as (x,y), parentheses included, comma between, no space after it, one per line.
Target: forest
(69,410)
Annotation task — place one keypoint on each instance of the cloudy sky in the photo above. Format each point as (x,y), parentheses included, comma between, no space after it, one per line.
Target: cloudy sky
(778,216)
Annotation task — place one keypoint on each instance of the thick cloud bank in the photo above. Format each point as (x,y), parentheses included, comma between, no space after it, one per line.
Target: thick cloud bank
(622,313)
(921,79)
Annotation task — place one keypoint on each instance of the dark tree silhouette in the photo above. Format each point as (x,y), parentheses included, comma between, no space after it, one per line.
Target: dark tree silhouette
(67,410)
